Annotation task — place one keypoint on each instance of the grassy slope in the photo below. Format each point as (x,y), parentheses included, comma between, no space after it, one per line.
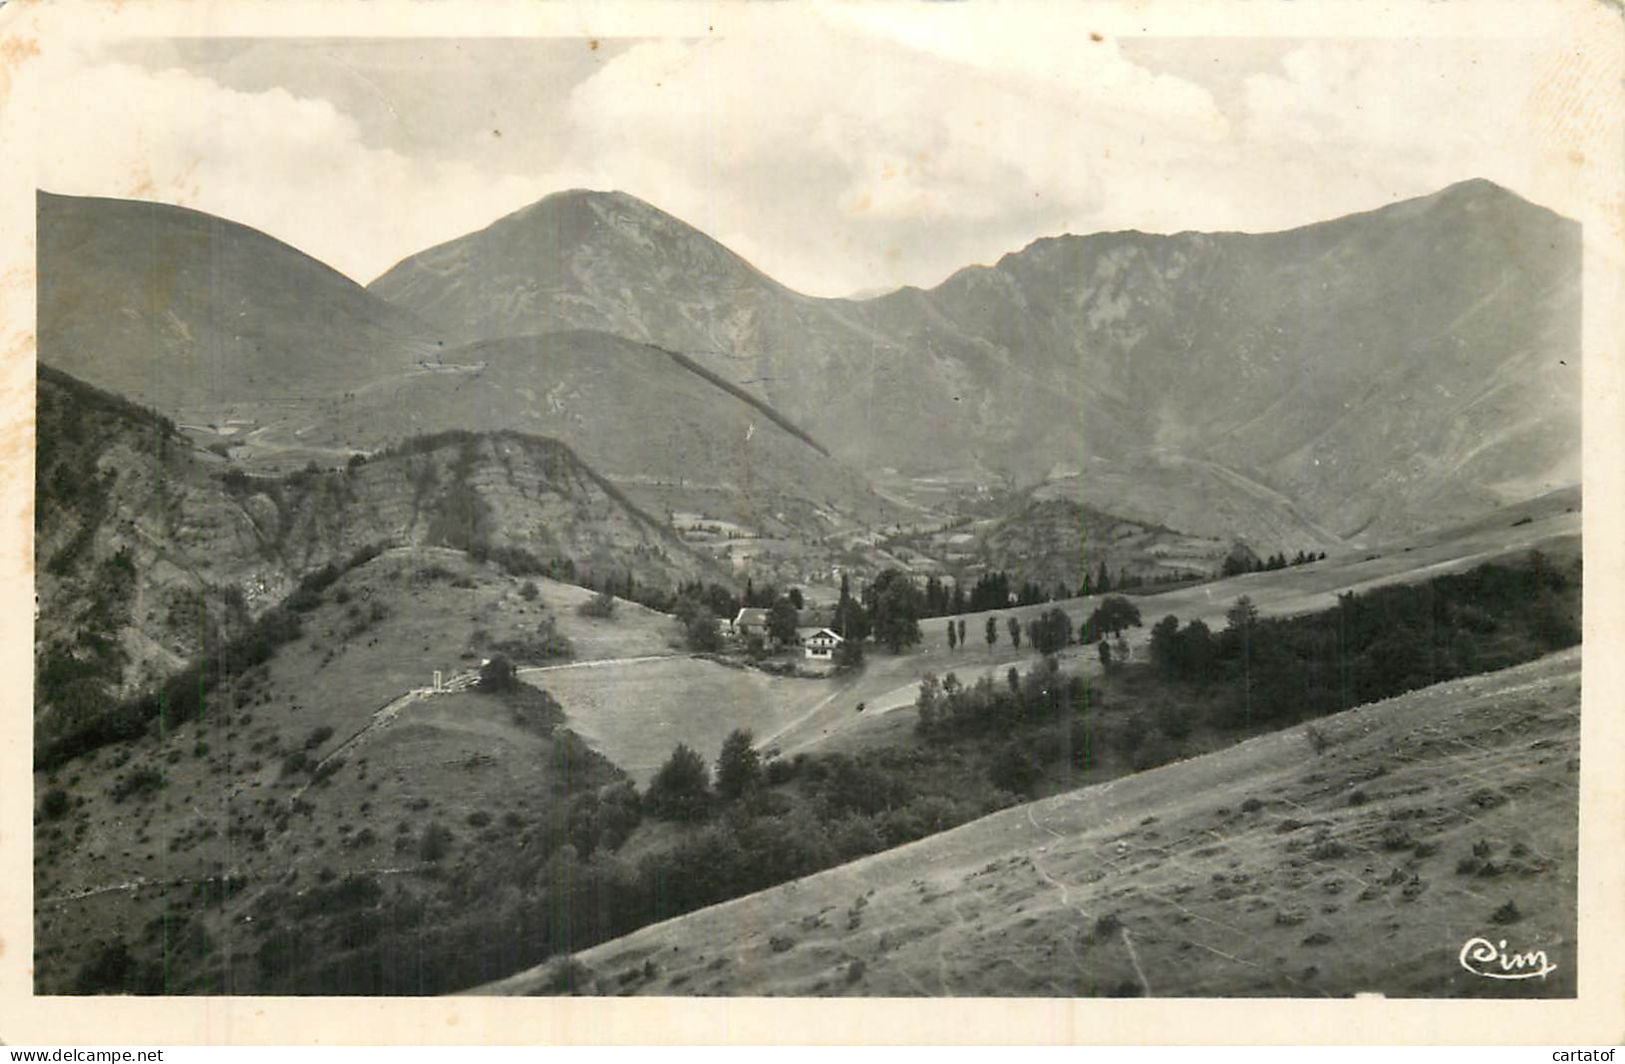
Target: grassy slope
(1161,882)
(634,713)
(109,867)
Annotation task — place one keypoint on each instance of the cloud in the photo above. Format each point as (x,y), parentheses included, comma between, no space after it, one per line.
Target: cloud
(835,157)
(1364,121)
(296,167)
(859,150)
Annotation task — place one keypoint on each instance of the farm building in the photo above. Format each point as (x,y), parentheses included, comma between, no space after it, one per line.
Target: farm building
(750,621)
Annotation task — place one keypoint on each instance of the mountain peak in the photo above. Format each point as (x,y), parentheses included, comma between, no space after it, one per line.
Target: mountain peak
(587,202)
(1477,186)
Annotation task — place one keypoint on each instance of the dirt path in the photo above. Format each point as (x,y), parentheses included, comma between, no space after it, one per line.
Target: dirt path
(381,718)
(598,663)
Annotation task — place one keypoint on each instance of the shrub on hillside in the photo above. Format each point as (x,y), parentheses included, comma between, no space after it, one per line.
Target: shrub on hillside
(435,843)
(140,783)
(601,605)
(55,804)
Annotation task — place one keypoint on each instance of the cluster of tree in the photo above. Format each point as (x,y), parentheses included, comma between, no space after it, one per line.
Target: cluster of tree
(767,596)
(682,790)
(1373,645)
(1101,581)
(894,608)
(1046,634)
(889,611)
(990,592)
(1237,564)
(948,709)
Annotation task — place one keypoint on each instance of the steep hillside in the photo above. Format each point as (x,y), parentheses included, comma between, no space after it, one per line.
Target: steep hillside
(176,308)
(1362,853)
(325,799)
(146,549)
(1365,376)
(644,417)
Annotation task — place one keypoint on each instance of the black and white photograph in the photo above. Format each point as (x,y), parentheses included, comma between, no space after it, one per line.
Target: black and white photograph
(810,501)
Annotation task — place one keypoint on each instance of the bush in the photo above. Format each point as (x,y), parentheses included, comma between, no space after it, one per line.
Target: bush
(55,805)
(140,783)
(435,843)
(600,605)
(702,634)
(1395,837)
(318,736)
(528,591)
(1329,850)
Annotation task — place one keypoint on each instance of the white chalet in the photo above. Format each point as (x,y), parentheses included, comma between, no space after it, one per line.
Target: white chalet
(821,644)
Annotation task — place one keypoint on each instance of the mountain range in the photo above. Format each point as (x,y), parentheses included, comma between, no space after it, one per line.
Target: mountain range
(1326,386)
(1381,371)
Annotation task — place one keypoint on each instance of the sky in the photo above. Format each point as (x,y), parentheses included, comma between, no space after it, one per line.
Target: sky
(855,154)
